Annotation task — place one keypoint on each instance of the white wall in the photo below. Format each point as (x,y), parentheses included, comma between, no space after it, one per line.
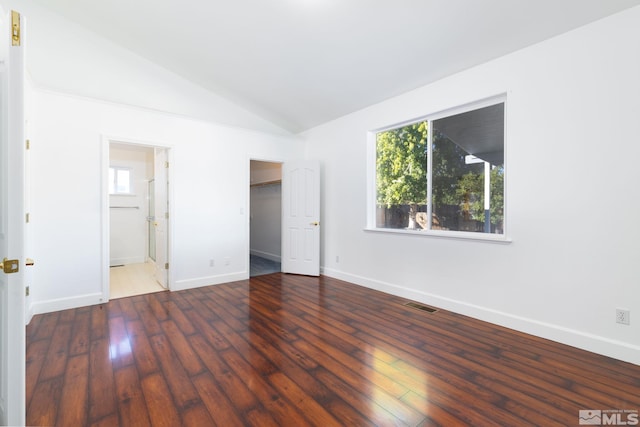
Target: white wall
(209,190)
(572,203)
(128,231)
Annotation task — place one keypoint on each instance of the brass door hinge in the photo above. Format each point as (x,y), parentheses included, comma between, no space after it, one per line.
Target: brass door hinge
(27,217)
(15,28)
(166,164)
(166,266)
(28,144)
(26,291)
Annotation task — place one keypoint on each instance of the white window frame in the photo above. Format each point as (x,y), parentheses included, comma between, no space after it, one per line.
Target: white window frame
(451,234)
(115,191)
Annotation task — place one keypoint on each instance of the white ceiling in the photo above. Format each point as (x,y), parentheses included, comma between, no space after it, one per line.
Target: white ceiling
(300,63)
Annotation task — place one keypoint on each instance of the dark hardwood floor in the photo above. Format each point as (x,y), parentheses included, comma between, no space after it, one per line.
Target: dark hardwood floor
(283,350)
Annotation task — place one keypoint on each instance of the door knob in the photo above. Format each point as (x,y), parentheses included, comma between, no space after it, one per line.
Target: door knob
(29,262)
(10,266)
(315,223)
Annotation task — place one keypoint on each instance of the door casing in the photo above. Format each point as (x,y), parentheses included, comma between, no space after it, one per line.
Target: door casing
(106,141)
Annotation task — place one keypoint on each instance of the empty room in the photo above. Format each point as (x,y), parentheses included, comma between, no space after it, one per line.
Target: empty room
(322,212)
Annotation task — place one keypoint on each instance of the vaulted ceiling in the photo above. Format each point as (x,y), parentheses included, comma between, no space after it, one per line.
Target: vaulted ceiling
(300,63)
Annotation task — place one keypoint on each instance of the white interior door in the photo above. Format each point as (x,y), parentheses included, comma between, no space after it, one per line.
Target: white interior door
(12,222)
(161,187)
(301,218)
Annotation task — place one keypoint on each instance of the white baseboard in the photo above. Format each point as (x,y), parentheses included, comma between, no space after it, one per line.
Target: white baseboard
(590,342)
(266,255)
(199,282)
(49,306)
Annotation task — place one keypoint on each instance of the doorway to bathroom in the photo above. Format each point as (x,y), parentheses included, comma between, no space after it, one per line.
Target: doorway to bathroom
(138,219)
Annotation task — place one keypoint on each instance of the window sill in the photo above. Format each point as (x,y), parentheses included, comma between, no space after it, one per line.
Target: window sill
(456,235)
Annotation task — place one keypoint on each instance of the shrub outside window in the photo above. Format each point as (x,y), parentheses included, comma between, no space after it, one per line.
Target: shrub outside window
(444,173)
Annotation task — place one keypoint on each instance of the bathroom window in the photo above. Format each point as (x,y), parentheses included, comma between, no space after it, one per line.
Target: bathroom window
(120,180)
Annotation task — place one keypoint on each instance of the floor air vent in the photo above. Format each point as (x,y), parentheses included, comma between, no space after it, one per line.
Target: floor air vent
(420,307)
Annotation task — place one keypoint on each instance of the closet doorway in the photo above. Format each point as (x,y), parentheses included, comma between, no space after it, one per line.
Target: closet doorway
(138,212)
(265,201)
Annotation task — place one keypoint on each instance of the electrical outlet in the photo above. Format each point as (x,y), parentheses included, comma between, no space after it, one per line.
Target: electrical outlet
(337,259)
(212,263)
(623,316)
(227,261)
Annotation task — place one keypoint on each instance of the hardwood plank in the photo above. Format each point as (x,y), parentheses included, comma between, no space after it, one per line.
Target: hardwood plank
(99,325)
(80,340)
(158,309)
(102,391)
(313,411)
(346,414)
(179,299)
(260,418)
(162,410)
(255,358)
(148,318)
(484,383)
(181,387)
(233,386)
(435,415)
(376,378)
(119,344)
(204,328)
(188,358)
(216,401)
(73,409)
(452,375)
(114,309)
(145,358)
(58,353)
(32,327)
(382,398)
(43,409)
(132,408)
(198,416)
(128,310)
(290,360)
(227,313)
(109,421)
(178,316)
(282,411)
(359,399)
(67,316)
(35,357)
(195,297)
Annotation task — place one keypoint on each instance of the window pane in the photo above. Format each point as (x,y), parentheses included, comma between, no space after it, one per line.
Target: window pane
(119,180)
(122,181)
(401,176)
(467,173)
(467,149)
